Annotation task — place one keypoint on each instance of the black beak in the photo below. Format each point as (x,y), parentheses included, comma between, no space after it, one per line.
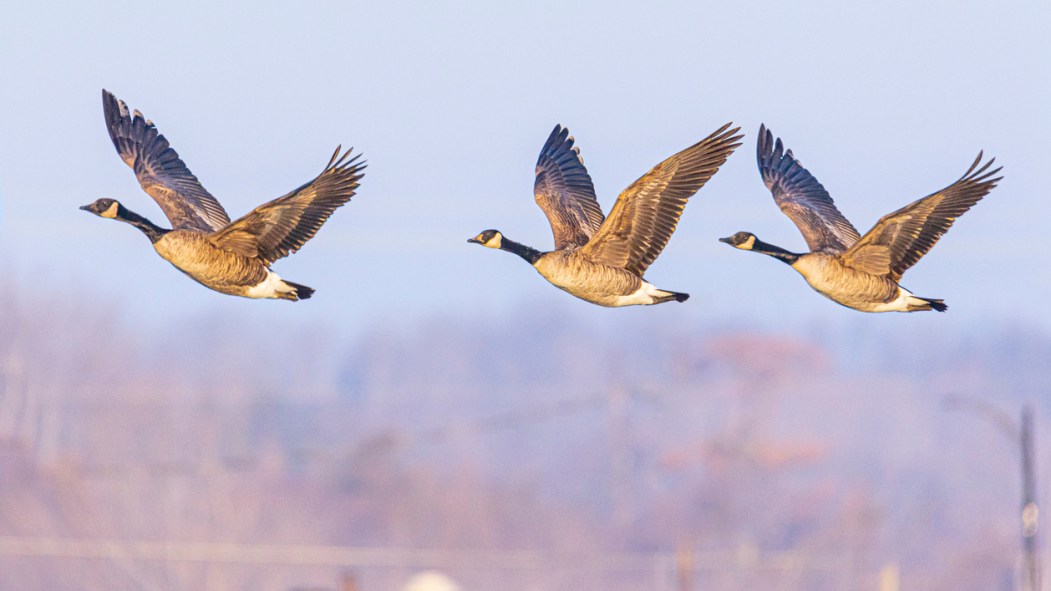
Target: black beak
(86,207)
(729,240)
(474,240)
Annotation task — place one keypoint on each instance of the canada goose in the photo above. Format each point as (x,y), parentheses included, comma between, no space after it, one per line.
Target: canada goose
(603,262)
(231,258)
(859,272)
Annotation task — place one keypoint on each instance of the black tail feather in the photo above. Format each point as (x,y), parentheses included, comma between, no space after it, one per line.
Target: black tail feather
(937,305)
(302,292)
(928,304)
(671,295)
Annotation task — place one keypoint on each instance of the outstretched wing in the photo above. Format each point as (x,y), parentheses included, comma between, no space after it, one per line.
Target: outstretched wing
(563,189)
(801,197)
(160,171)
(646,213)
(900,239)
(275,229)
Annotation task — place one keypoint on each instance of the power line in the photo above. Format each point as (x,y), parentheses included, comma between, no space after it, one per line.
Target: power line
(334,556)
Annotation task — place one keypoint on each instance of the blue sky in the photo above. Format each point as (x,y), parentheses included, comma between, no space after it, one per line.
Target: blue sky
(450,102)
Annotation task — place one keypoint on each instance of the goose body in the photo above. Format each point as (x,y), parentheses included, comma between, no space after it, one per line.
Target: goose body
(600,284)
(859,272)
(602,260)
(229,257)
(852,288)
(197,257)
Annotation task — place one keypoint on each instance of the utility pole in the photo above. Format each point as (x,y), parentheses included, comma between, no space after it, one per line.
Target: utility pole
(1030,511)
(1024,434)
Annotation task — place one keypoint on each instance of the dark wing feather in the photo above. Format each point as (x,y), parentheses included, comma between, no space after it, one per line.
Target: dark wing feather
(563,189)
(160,171)
(646,213)
(801,197)
(275,229)
(900,239)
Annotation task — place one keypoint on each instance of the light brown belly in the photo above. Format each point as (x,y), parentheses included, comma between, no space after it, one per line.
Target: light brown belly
(844,285)
(215,268)
(598,284)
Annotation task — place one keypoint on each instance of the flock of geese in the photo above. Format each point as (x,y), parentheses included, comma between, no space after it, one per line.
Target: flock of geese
(596,258)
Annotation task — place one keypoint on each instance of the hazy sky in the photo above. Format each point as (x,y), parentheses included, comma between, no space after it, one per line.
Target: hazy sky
(451,102)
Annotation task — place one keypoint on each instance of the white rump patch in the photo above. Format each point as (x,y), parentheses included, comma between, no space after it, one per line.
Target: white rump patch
(645,295)
(900,303)
(269,287)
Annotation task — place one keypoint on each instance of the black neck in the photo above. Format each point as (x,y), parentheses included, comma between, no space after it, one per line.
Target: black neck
(527,253)
(151,230)
(775,251)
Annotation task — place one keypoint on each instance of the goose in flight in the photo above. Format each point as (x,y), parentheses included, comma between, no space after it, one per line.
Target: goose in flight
(860,272)
(230,257)
(602,260)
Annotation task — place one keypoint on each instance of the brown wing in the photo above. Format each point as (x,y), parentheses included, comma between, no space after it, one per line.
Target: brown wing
(801,197)
(646,213)
(160,171)
(900,239)
(563,189)
(282,226)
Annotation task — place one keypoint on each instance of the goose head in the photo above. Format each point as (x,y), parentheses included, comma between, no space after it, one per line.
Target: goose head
(488,239)
(104,208)
(742,240)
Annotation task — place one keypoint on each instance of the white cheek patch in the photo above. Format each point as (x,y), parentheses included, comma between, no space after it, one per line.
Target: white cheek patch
(748,244)
(494,242)
(111,211)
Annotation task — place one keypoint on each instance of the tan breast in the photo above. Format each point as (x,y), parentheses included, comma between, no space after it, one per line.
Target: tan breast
(587,280)
(843,284)
(192,253)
